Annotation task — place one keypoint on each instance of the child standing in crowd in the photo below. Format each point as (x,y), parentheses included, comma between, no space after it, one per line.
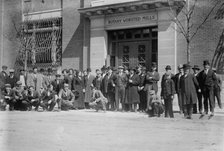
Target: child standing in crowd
(168,91)
(155,105)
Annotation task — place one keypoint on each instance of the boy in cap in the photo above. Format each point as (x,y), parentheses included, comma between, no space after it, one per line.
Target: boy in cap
(34,98)
(207,80)
(188,85)
(196,70)
(168,91)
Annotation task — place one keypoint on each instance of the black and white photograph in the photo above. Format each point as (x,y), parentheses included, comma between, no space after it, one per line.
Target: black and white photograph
(111,75)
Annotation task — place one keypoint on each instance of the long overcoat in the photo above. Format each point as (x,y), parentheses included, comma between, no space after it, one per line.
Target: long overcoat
(188,85)
(132,95)
(88,87)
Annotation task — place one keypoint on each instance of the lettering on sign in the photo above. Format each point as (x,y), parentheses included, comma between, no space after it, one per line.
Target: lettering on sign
(130,19)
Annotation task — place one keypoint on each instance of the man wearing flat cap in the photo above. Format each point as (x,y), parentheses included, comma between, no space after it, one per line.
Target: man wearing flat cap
(120,83)
(207,79)
(3,77)
(188,87)
(176,80)
(196,70)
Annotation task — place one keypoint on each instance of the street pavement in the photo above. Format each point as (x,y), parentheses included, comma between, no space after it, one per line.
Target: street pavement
(87,130)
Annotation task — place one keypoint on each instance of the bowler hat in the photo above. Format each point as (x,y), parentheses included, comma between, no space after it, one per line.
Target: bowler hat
(19,83)
(180,66)
(206,62)
(120,67)
(186,66)
(154,64)
(168,67)
(4,67)
(8,85)
(11,70)
(57,75)
(103,68)
(214,69)
(88,69)
(196,67)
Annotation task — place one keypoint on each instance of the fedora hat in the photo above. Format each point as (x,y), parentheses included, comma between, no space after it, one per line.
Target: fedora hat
(206,62)
(168,67)
(196,67)
(186,66)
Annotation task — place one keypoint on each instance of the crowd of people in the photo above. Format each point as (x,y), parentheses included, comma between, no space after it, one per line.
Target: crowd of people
(121,89)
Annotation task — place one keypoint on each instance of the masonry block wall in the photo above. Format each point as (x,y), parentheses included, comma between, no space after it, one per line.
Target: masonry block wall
(8,44)
(72,35)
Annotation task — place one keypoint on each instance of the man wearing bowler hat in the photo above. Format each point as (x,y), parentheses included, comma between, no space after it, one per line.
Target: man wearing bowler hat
(188,85)
(196,70)
(12,79)
(207,80)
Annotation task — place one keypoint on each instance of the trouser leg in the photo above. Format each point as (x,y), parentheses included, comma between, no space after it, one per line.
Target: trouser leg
(211,99)
(171,108)
(218,97)
(199,96)
(166,107)
(205,101)
(180,102)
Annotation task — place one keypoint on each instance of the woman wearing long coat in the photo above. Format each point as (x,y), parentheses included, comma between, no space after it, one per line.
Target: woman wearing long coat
(132,95)
(188,85)
(78,86)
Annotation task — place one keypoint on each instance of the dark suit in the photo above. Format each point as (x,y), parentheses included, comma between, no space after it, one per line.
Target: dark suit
(176,80)
(142,93)
(108,90)
(217,90)
(188,84)
(3,77)
(57,86)
(207,86)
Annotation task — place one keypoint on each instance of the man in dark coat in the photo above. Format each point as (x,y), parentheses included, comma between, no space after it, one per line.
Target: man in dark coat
(3,77)
(142,92)
(176,80)
(217,89)
(132,96)
(108,88)
(12,79)
(8,97)
(58,83)
(188,82)
(167,92)
(207,80)
(196,70)
(120,81)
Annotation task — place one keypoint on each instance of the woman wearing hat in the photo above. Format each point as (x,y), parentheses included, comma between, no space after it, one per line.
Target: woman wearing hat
(188,85)
(88,87)
(132,96)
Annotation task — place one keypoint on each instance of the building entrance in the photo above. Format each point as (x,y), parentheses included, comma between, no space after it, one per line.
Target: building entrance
(133,47)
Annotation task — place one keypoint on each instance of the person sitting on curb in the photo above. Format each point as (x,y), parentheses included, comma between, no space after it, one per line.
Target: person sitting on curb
(48,98)
(155,106)
(66,98)
(98,101)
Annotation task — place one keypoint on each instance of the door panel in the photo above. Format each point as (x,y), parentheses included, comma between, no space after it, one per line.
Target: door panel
(131,54)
